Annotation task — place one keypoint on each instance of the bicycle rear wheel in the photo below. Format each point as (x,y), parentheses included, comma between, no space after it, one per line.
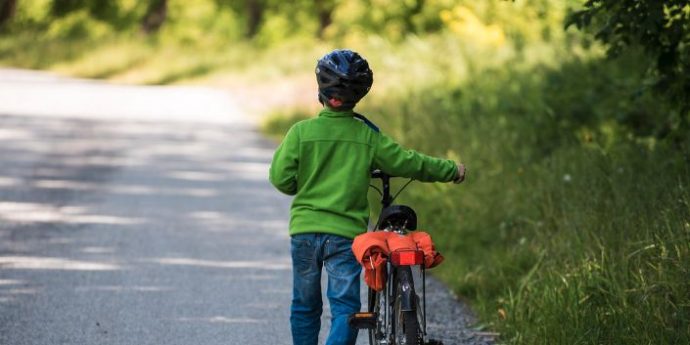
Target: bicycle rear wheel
(411,328)
(406,323)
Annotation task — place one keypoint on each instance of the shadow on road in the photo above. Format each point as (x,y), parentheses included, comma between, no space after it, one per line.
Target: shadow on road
(153,220)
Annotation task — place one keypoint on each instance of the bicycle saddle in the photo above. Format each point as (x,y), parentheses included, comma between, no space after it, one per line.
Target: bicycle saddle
(398,215)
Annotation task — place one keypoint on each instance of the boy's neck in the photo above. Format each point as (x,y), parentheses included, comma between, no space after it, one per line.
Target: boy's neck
(339,110)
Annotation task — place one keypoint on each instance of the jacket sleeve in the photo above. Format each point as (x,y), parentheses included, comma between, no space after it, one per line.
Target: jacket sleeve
(393,159)
(283,170)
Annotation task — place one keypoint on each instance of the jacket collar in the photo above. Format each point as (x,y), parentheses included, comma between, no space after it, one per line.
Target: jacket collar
(328,112)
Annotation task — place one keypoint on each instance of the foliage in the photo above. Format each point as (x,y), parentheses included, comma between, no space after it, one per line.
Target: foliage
(573,225)
(662,30)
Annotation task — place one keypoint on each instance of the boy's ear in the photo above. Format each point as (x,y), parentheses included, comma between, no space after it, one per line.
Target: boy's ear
(335,103)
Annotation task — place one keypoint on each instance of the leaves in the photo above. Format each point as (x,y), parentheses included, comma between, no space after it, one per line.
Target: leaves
(661,29)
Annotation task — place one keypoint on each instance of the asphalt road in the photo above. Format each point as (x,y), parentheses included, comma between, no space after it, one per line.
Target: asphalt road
(143,215)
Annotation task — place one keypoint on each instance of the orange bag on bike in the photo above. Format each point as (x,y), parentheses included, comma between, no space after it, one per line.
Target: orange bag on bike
(372,250)
(432,258)
(399,242)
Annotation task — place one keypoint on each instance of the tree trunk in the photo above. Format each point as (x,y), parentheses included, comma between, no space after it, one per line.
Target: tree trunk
(255,13)
(324,9)
(155,16)
(7,9)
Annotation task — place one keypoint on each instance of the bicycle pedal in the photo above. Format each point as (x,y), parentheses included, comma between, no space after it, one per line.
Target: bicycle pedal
(433,342)
(363,320)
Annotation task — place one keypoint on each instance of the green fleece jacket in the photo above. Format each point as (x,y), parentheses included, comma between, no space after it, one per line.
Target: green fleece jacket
(326,163)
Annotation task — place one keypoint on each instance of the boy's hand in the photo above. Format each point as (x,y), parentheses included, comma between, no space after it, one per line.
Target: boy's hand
(461,174)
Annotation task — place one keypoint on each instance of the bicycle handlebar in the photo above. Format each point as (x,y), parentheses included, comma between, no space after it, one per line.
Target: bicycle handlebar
(386,198)
(377,173)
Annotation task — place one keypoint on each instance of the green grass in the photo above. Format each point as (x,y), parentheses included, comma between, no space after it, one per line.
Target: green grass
(573,226)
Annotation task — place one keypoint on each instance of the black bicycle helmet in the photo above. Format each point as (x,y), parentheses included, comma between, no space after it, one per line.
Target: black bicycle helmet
(344,77)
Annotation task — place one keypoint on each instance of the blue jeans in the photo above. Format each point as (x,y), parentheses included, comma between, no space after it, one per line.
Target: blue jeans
(310,252)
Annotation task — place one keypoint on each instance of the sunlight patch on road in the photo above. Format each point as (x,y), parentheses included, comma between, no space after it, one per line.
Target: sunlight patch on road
(117,288)
(20,291)
(99,161)
(148,190)
(11,282)
(98,250)
(221,319)
(122,189)
(45,213)
(211,216)
(218,221)
(70,98)
(176,150)
(196,176)
(15,134)
(64,184)
(47,263)
(261,265)
(9,181)
(51,172)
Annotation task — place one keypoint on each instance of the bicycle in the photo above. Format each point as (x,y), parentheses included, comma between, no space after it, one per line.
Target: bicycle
(397,314)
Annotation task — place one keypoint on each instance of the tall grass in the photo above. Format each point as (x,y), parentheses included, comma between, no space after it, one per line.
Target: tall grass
(573,226)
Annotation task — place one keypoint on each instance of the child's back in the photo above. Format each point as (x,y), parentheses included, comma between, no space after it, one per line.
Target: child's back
(327,161)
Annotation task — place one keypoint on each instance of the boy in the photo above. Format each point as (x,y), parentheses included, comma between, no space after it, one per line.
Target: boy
(326,163)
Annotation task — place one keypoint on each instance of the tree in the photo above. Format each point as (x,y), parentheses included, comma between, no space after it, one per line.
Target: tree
(251,11)
(7,9)
(411,9)
(155,16)
(324,12)
(661,29)
(107,11)
(60,8)
(255,15)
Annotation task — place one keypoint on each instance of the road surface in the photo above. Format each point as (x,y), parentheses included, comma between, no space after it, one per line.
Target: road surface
(143,215)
